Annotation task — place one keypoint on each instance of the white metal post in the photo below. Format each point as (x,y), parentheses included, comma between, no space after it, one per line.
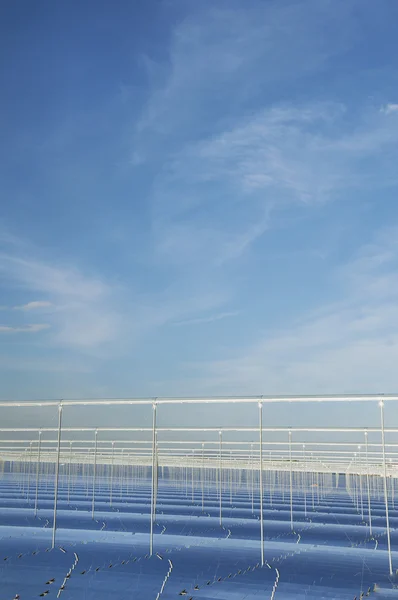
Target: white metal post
(368,483)
(220,477)
(260,408)
(57,473)
(156,473)
(203,474)
(192,475)
(112,467)
(305,482)
(381,404)
(312,481)
(230,478)
(69,469)
(94,475)
(121,475)
(37,473)
(24,472)
(30,468)
(356,486)
(291,481)
(252,478)
(271,477)
(360,479)
(153,478)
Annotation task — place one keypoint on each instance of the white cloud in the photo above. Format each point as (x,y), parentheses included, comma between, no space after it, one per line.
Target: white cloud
(34,305)
(306,154)
(349,346)
(389,108)
(218,58)
(24,328)
(218,196)
(219,137)
(84,315)
(93,315)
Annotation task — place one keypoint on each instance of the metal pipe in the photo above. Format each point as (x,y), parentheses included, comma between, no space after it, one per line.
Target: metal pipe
(381,404)
(57,475)
(112,468)
(252,478)
(305,483)
(153,478)
(37,473)
(69,469)
(208,400)
(220,477)
(368,484)
(94,476)
(260,407)
(30,467)
(291,481)
(203,474)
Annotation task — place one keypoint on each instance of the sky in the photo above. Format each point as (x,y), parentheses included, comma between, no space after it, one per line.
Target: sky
(198,198)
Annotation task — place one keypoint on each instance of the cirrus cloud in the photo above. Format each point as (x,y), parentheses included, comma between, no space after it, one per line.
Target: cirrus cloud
(35,328)
(34,305)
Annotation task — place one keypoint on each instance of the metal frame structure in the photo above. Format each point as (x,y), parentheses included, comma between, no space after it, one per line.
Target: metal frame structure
(259,457)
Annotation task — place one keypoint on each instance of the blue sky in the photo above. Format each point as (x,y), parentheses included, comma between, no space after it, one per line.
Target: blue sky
(198,197)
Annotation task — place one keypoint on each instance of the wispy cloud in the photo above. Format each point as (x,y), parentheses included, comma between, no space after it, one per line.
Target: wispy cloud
(348,346)
(24,329)
(208,319)
(217,57)
(389,108)
(91,313)
(228,151)
(223,161)
(34,305)
(300,153)
(84,315)
(218,196)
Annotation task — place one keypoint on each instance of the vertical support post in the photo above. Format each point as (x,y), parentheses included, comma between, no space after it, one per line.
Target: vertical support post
(30,468)
(24,471)
(291,481)
(69,469)
(121,474)
(94,474)
(57,473)
(252,478)
(87,473)
(156,473)
(230,479)
(305,482)
(368,483)
(260,409)
(360,479)
(312,481)
(203,474)
(381,404)
(220,477)
(153,478)
(112,468)
(37,473)
(271,477)
(356,487)
(192,476)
